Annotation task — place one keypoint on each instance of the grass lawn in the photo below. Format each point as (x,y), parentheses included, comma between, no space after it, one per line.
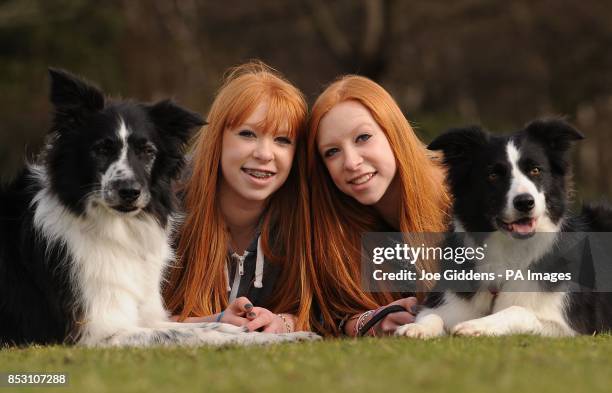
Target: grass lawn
(508,364)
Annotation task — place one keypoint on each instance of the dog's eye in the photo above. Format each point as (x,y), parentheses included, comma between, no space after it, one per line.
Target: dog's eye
(535,171)
(148,150)
(103,148)
(493,176)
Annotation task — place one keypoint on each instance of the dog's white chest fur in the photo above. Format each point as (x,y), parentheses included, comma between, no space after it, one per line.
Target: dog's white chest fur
(116,263)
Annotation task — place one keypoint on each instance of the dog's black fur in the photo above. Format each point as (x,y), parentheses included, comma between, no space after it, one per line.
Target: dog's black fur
(38,299)
(85,230)
(513,187)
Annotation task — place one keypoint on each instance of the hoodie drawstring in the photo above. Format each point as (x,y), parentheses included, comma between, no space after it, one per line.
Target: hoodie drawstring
(259,265)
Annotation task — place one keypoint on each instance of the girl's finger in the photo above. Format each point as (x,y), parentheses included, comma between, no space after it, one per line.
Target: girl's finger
(409,303)
(241,305)
(234,320)
(254,312)
(261,321)
(401,318)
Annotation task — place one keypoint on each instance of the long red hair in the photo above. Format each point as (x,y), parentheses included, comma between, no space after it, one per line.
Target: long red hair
(339,220)
(198,285)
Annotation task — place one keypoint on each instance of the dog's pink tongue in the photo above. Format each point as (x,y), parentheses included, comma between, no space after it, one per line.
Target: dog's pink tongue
(523,227)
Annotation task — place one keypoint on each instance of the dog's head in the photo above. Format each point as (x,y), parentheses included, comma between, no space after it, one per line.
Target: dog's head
(117,155)
(516,184)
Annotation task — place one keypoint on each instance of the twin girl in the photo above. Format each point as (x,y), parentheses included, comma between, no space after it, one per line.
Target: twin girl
(276,200)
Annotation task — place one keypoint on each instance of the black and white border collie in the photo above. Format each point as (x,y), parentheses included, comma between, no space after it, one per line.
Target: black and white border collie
(85,230)
(515,188)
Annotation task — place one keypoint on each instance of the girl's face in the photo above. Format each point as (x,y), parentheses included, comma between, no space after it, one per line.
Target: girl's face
(254,163)
(356,152)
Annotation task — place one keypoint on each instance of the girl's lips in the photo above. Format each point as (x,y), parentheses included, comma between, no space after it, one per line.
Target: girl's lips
(261,173)
(362,179)
(258,176)
(362,182)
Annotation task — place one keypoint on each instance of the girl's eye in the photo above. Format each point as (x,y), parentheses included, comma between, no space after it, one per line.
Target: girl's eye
(363,137)
(283,140)
(330,152)
(247,134)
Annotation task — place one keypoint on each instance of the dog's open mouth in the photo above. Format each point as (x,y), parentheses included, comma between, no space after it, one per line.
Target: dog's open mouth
(520,229)
(125,208)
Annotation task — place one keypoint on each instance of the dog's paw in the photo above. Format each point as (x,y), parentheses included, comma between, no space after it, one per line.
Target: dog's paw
(475,328)
(415,330)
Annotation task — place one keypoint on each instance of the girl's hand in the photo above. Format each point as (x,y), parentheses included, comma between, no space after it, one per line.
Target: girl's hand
(387,326)
(262,319)
(234,314)
(391,322)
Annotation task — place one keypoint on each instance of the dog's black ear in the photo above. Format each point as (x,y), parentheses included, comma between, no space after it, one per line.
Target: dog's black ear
(555,134)
(459,143)
(70,93)
(176,126)
(175,121)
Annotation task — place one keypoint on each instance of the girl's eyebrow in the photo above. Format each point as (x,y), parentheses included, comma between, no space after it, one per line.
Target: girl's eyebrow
(355,129)
(362,125)
(249,125)
(257,127)
(323,147)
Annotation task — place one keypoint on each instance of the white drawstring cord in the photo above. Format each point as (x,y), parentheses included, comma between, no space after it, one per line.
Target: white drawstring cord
(259,265)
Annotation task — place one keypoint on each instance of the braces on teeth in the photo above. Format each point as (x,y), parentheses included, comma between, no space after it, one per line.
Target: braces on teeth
(258,174)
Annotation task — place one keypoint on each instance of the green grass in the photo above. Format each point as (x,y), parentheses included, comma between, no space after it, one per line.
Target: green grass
(508,364)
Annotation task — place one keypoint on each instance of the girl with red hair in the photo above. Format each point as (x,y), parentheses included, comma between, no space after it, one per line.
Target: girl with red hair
(368,172)
(244,243)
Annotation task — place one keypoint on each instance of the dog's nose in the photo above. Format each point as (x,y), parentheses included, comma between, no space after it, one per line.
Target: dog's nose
(129,191)
(524,202)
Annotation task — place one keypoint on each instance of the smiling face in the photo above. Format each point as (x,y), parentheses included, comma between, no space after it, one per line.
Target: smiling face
(117,156)
(515,184)
(356,152)
(255,162)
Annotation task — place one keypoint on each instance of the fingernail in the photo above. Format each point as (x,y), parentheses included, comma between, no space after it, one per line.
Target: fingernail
(414,309)
(248,306)
(251,315)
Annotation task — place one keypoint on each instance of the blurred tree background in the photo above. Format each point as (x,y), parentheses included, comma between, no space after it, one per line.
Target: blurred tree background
(447,63)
